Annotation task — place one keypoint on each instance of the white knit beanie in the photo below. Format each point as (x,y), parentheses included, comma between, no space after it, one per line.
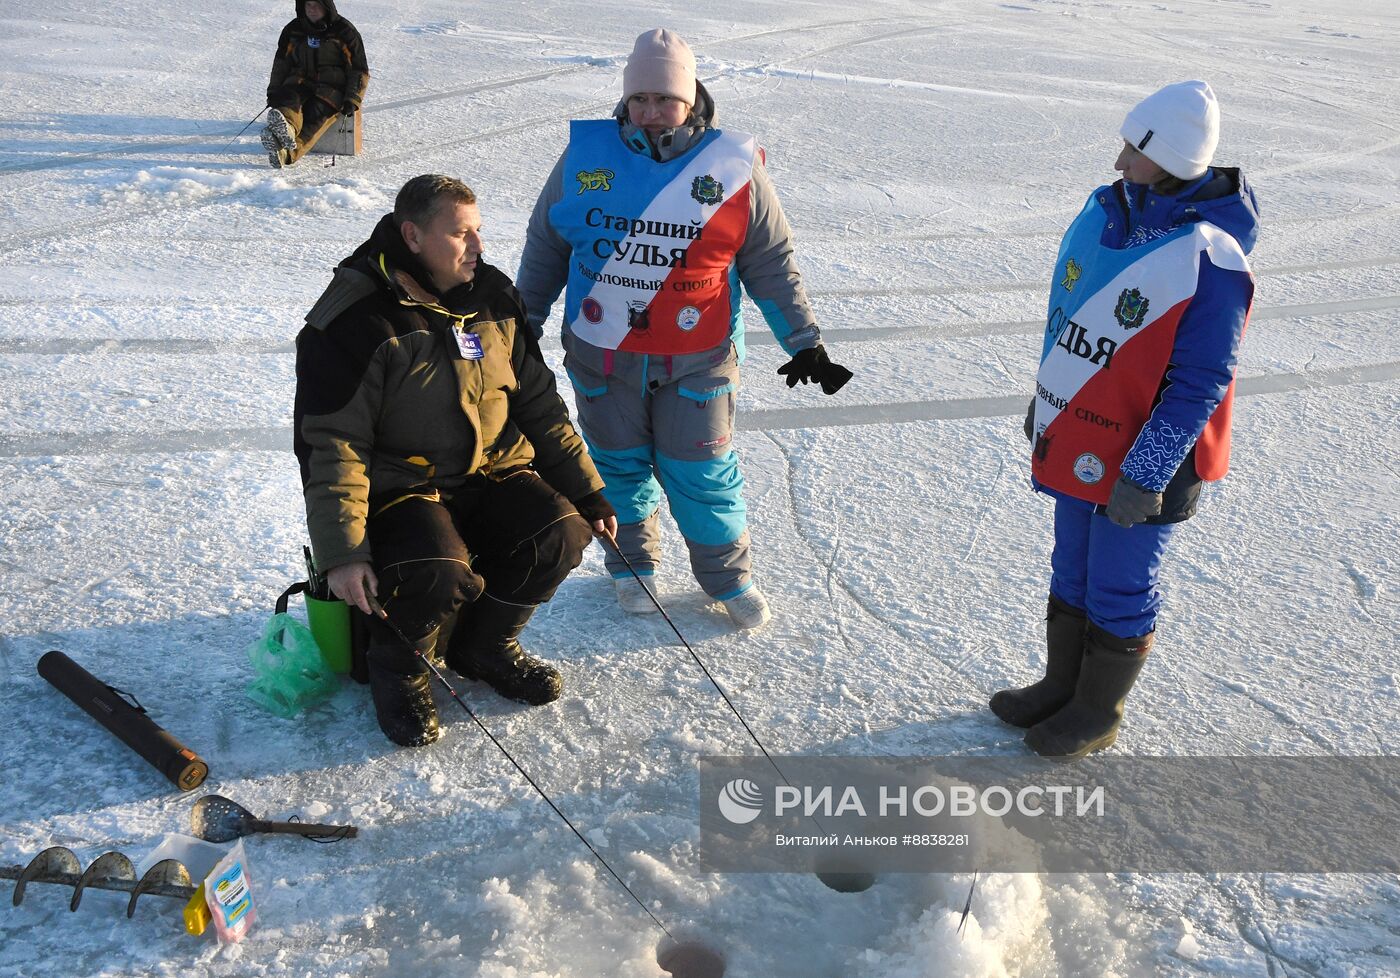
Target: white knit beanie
(660,62)
(1176,127)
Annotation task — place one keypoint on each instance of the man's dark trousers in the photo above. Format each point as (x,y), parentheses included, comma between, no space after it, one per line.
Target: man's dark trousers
(514,537)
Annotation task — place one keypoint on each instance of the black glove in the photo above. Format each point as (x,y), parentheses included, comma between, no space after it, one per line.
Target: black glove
(1130,503)
(1029,427)
(812,366)
(593,507)
(348,110)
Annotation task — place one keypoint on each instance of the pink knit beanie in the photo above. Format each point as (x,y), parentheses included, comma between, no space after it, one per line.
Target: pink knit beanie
(660,62)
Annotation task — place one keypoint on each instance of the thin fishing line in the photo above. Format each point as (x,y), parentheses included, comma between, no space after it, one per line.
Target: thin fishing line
(523,773)
(703,668)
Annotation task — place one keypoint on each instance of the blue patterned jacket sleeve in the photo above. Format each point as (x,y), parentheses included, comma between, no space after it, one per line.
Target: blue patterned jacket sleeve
(1201,368)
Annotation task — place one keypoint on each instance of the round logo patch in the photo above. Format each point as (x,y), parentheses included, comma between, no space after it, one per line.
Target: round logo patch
(592,310)
(1088,468)
(688,318)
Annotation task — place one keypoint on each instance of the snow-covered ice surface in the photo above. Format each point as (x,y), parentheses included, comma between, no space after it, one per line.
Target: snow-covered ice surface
(152,278)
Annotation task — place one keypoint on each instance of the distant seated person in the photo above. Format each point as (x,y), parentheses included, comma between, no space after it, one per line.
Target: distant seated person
(319,73)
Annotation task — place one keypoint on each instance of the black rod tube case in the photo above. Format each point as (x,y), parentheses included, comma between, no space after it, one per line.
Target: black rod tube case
(130,724)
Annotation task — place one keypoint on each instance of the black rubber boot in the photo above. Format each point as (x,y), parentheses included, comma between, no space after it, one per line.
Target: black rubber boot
(1064,645)
(398,684)
(486,649)
(1090,721)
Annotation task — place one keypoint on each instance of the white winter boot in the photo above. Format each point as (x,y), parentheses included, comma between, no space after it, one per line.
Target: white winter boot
(275,157)
(631,597)
(748,610)
(277,138)
(281,130)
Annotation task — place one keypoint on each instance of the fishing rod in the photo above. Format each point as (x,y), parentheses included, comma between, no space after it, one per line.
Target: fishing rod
(243,130)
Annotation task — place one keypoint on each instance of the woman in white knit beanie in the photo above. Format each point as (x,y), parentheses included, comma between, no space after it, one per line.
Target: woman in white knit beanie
(1148,303)
(1171,133)
(651,221)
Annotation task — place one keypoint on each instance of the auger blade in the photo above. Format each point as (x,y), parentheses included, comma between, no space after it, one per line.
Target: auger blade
(106,869)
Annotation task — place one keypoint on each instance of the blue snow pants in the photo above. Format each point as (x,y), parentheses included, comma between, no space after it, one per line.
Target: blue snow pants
(657,424)
(1107,570)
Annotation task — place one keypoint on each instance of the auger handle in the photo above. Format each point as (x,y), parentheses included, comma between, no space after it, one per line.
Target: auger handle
(309,829)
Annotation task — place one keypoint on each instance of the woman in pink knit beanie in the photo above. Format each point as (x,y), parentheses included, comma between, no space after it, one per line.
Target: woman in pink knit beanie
(650,222)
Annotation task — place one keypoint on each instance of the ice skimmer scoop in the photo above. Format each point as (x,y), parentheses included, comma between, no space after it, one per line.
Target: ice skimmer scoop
(218,819)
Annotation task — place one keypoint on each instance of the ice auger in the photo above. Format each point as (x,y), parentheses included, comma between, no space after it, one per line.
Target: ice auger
(110,871)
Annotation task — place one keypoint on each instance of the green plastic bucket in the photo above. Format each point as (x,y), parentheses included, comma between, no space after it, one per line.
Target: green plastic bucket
(330,625)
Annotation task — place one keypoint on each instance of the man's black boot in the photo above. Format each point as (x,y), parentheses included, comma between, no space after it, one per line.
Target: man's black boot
(487,649)
(1090,721)
(1064,645)
(398,684)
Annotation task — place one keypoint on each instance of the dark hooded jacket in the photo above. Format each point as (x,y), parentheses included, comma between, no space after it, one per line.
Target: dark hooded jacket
(325,60)
(388,405)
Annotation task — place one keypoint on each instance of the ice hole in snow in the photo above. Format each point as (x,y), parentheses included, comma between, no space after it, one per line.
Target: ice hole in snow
(690,959)
(847,882)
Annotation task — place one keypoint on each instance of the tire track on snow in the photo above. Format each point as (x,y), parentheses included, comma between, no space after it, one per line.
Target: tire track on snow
(175,346)
(302,178)
(279,439)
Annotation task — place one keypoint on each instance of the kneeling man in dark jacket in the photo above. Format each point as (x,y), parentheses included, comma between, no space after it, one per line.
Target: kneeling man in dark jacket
(441,472)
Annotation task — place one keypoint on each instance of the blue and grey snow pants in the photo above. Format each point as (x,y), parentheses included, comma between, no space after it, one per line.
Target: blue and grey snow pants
(1109,571)
(655,423)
